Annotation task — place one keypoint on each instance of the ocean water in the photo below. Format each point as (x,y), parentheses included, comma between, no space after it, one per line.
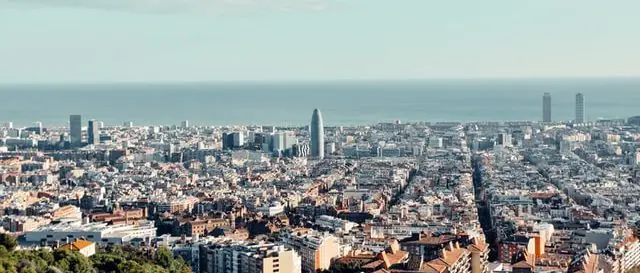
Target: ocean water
(341,103)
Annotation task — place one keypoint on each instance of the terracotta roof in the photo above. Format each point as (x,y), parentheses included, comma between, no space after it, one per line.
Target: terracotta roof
(77,245)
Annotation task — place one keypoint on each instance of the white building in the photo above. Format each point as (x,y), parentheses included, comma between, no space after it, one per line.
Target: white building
(242,257)
(99,233)
(272,209)
(335,224)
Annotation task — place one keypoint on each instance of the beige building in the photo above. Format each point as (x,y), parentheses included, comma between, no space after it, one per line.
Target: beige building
(317,250)
(84,247)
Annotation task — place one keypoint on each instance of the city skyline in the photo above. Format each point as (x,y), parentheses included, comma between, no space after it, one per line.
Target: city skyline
(179,41)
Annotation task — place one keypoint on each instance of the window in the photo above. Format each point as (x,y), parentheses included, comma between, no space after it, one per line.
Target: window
(49,236)
(90,236)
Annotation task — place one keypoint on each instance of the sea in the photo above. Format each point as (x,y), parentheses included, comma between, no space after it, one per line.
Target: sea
(341,102)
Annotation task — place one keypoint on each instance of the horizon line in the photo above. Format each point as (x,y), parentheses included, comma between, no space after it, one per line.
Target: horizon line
(321,81)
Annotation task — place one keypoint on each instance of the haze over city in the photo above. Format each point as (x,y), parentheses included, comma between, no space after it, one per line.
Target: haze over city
(100,41)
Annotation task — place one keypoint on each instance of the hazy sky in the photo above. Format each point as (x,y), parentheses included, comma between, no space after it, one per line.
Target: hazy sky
(66,41)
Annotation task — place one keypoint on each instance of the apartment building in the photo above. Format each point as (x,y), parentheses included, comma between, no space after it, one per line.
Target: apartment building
(227,257)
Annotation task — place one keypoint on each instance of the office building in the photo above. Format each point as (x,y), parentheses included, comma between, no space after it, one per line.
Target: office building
(505,139)
(242,257)
(300,150)
(75,129)
(317,135)
(93,132)
(238,139)
(278,142)
(184,124)
(546,107)
(232,140)
(579,108)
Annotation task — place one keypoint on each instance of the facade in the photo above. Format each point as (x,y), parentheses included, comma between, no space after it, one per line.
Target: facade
(93,132)
(546,107)
(75,129)
(317,135)
(100,233)
(316,250)
(335,224)
(278,142)
(227,257)
(301,150)
(579,108)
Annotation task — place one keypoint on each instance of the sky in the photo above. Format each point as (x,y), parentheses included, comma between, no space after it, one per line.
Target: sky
(108,41)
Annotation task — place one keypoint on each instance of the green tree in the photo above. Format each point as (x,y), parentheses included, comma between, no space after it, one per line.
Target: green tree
(8,242)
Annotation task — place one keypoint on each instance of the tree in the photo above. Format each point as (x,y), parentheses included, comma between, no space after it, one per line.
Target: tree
(8,242)
(52,269)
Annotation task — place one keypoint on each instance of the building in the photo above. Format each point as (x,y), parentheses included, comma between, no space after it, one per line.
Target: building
(100,233)
(316,250)
(300,150)
(452,259)
(93,132)
(75,129)
(579,108)
(278,142)
(238,139)
(335,224)
(84,247)
(546,107)
(509,247)
(505,139)
(184,124)
(317,135)
(223,257)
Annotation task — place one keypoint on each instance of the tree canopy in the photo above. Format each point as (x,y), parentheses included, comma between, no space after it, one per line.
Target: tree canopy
(112,259)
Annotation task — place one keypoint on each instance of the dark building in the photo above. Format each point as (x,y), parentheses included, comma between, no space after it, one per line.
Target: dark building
(75,129)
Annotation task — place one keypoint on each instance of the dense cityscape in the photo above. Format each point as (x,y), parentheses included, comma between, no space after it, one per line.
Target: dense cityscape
(394,197)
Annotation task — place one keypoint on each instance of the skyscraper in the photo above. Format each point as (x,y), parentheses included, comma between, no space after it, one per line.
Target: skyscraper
(93,132)
(579,108)
(546,107)
(317,135)
(75,129)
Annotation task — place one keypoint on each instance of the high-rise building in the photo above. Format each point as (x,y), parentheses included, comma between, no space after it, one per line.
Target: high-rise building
(75,129)
(238,139)
(579,108)
(93,132)
(185,124)
(317,135)
(278,140)
(232,140)
(546,107)
(505,139)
